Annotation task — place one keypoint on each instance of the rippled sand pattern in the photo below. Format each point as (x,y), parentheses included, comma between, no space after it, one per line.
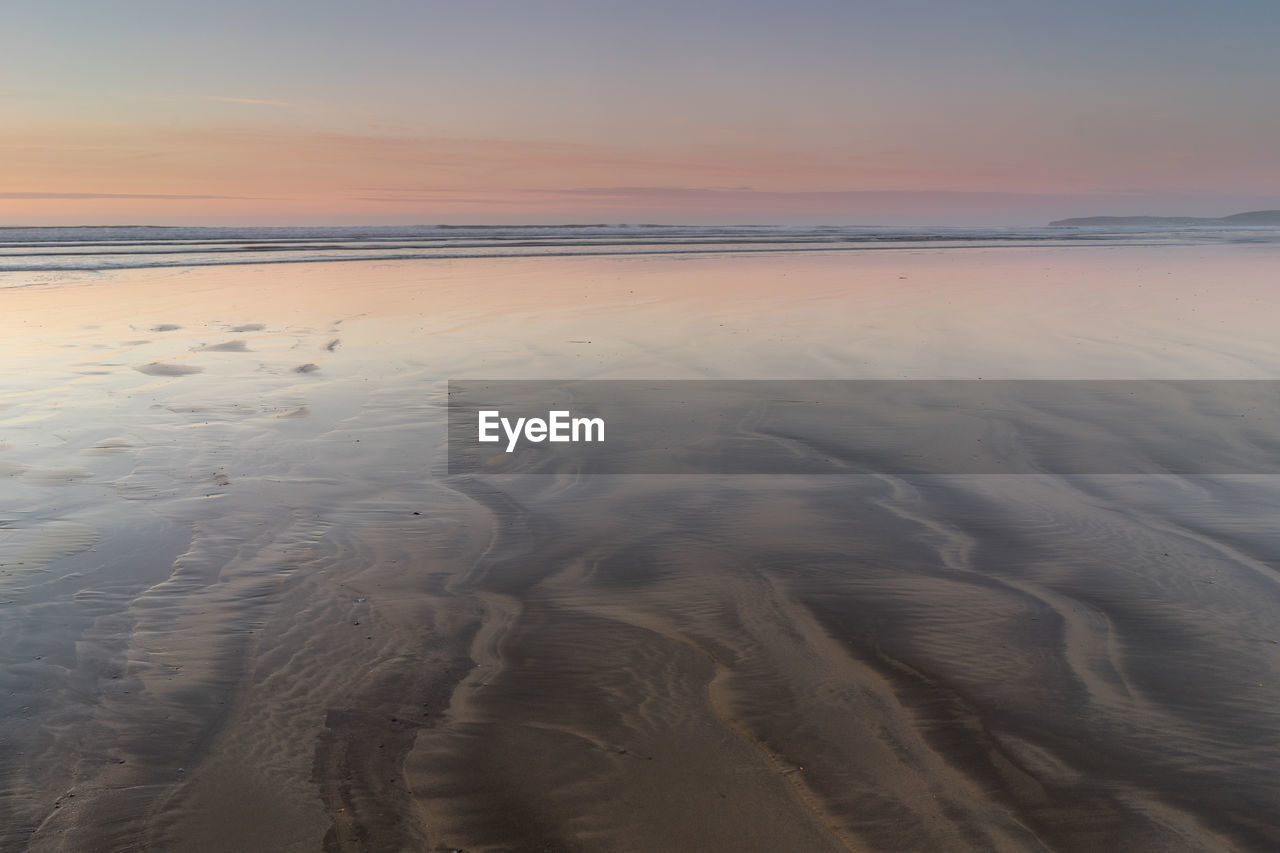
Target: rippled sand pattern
(243,608)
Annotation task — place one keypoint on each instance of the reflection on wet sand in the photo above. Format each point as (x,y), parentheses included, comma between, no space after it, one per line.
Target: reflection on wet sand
(244,607)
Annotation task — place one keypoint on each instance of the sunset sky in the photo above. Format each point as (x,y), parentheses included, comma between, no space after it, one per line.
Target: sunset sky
(813,111)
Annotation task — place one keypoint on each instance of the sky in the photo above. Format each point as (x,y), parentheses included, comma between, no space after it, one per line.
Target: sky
(702,111)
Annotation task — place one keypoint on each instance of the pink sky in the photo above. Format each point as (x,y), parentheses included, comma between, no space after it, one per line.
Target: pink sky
(911,117)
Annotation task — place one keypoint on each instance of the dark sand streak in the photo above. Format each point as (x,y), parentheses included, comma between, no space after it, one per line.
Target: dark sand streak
(886,739)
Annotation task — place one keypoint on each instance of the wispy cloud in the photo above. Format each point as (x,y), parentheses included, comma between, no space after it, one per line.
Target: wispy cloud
(664,194)
(16,95)
(193,99)
(711,193)
(259,101)
(43,195)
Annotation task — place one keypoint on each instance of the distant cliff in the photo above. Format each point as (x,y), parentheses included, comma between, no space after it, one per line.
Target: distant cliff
(1262,218)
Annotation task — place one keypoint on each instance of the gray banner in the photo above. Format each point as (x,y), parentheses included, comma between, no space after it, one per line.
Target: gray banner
(864,427)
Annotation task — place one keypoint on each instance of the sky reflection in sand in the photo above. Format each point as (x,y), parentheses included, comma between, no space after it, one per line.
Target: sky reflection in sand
(190,460)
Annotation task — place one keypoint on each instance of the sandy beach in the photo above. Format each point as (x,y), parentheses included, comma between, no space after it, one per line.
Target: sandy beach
(243,605)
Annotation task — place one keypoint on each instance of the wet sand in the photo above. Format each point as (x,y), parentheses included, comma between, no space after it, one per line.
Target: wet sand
(243,607)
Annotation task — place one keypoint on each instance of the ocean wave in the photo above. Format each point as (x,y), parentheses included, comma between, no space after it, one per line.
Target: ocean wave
(134,247)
